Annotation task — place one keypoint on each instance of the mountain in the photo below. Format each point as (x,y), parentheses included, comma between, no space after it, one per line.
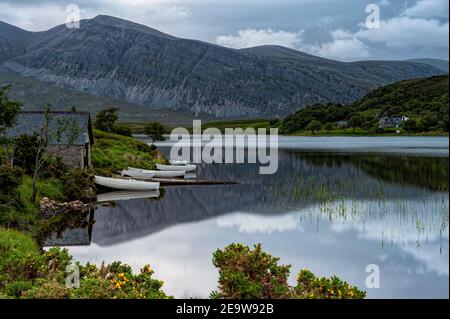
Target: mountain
(440,64)
(13,41)
(34,94)
(424,101)
(129,62)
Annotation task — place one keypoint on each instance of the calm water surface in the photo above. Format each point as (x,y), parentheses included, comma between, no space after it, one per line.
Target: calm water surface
(335,206)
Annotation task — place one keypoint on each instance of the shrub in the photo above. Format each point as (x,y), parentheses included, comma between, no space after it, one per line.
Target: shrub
(311,287)
(77,185)
(250,274)
(10,179)
(314,126)
(19,258)
(54,167)
(122,130)
(117,281)
(25,272)
(254,274)
(26,147)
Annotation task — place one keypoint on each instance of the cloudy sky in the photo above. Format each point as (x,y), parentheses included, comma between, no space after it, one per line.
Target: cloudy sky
(336,29)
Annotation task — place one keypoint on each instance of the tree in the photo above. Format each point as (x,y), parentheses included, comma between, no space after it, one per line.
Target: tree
(328,126)
(105,119)
(430,121)
(62,135)
(356,121)
(314,126)
(155,131)
(410,125)
(9,110)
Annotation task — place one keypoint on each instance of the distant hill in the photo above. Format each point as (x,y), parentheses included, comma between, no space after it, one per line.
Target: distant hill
(135,64)
(424,101)
(440,64)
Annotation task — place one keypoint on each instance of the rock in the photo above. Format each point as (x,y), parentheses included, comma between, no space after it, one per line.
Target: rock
(49,208)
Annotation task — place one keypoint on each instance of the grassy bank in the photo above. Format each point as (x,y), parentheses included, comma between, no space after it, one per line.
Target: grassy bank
(112,153)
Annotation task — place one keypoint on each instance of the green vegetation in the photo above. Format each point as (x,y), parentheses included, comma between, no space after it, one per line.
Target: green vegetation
(244,124)
(106,119)
(424,101)
(26,272)
(155,131)
(112,153)
(254,274)
(8,109)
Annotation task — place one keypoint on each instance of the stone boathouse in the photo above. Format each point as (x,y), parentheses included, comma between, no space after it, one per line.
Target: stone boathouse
(77,155)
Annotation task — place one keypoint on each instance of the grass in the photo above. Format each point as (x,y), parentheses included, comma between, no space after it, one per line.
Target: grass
(112,153)
(51,188)
(16,249)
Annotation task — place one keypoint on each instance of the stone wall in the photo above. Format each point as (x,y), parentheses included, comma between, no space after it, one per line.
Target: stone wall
(72,156)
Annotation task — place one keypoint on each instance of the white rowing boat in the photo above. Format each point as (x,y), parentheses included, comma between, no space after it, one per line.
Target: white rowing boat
(125,184)
(138,173)
(173,162)
(186,168)
(126,195)
(143,173)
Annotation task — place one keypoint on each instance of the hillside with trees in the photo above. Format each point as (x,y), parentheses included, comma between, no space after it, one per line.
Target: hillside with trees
(424,102)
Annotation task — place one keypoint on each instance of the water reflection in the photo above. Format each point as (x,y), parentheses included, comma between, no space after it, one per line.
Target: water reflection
(334,214)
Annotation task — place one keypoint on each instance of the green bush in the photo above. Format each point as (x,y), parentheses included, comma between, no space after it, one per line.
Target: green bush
(311,287)
(250,274)
(26,147)
(19,259)
(54,167)
(254,274)
(25,272)
(10,204)
(77,185)
(122,130)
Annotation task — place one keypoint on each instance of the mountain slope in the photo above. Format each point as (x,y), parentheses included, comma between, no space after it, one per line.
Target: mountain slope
(13,41)
(440,64)
(134,63)
(424,101)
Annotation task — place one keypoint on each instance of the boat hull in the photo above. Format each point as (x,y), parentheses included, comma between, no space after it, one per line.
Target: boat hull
(135,172)
(126,184)
(126,195)
(185,168)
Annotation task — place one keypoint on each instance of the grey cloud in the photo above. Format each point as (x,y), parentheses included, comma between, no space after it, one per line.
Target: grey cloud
(206,20)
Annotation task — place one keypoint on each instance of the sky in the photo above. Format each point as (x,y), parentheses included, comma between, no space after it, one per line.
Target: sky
(345,30)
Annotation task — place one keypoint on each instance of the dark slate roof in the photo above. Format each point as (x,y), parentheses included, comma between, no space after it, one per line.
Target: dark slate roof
(29,123)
